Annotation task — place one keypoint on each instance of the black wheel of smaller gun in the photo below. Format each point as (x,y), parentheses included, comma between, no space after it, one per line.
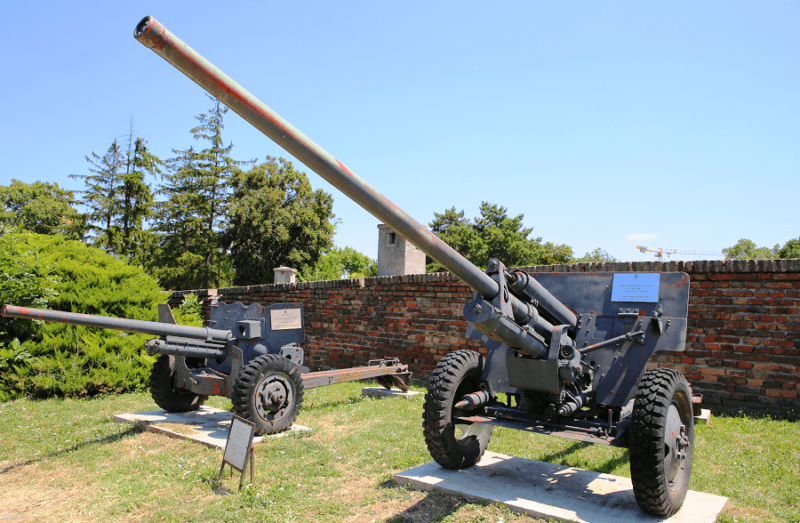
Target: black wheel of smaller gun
(162,388)
(269,392)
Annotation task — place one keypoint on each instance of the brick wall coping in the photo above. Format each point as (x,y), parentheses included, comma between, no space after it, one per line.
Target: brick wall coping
(690,267)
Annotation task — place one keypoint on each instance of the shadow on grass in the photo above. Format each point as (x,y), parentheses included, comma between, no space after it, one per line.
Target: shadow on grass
(108,439)
(562,457)
(435,506)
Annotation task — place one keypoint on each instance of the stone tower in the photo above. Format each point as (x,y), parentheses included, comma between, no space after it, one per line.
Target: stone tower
(396,256)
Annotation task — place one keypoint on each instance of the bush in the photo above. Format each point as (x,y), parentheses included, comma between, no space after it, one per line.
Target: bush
(53,359)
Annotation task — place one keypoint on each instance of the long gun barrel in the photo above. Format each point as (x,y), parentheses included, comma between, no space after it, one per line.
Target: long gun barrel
(105,322)
(156,37)
(169,47)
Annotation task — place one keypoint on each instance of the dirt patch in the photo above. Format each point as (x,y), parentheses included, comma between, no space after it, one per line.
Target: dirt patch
(733,510)
(32,493)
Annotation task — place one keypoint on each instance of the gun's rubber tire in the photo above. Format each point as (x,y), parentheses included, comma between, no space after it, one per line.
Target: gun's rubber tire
(453,444)
(662,429)
(162,389)
(269,392)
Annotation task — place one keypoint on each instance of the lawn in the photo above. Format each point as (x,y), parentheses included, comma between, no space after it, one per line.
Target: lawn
(66,460)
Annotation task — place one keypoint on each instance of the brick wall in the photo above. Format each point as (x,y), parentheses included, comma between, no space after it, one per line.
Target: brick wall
(743,342)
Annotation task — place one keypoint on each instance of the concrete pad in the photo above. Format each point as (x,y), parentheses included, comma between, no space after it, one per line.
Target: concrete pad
(705,417)
(381,392)
(544,490)
(205,425)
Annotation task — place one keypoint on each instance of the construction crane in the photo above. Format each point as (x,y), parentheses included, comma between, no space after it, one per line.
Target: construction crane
(661,252)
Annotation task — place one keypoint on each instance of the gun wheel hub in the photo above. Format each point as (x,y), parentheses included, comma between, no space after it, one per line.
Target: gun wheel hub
(271,396)
(675,443)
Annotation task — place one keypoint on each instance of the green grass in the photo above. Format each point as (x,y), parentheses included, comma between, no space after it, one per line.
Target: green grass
(66,460)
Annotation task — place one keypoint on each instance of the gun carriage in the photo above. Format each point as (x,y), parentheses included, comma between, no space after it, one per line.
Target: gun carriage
(249,353)
(566,353)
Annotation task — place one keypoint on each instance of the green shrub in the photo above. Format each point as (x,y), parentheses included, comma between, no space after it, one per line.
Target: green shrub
(53,359)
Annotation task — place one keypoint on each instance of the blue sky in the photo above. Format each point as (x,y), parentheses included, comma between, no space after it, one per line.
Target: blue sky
(672,125)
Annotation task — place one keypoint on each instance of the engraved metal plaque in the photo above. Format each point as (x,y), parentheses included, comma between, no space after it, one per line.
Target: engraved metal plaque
(284,319)
(635,287)
(240,440)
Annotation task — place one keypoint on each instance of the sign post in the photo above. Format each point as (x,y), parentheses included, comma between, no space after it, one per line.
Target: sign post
(239,448)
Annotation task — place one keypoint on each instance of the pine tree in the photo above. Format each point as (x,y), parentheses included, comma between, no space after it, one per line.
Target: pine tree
(188,222)
(100,196)
(136,198)
(118,197)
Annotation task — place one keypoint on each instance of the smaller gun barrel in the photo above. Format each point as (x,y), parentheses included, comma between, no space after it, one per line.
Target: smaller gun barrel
(189,350)
(105,322)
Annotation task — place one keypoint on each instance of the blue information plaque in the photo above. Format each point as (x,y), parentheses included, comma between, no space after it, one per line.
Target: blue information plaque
(636,287)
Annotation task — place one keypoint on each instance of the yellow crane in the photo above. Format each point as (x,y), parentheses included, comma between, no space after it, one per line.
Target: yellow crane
(661,252)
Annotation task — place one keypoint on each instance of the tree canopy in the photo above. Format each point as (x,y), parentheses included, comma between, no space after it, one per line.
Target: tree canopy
(187,225)
(494,234)
(597,255)
(41,208)
(748,250)
(340,263)
(274,219)
(117,197)
(791,249)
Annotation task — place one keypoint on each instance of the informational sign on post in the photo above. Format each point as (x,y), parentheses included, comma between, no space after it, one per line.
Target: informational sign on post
(239,448)
(240,439)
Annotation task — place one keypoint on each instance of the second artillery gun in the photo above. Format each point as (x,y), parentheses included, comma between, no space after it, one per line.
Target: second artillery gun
(249,353)
(566,353)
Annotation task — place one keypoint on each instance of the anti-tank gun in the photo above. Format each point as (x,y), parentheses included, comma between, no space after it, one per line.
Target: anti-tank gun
(566,353)
(249,353)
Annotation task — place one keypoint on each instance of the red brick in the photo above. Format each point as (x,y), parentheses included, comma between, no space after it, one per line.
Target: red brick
(739,294)
(767,367)
(779,285)
(720,277)
(766,326)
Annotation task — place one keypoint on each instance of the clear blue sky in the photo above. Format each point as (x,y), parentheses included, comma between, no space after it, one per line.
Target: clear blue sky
(671,124)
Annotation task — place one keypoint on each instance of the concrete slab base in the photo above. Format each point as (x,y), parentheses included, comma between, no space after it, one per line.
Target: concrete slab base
(381,392)
(544,490)
(705,417)
(205,425)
